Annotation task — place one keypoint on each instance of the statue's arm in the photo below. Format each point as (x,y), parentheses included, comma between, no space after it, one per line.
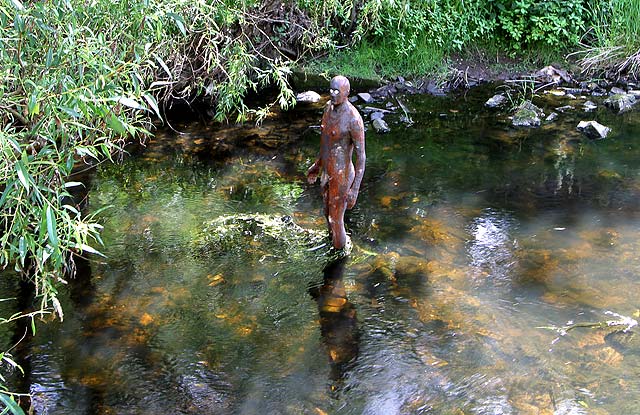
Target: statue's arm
(357,137)
(314,170)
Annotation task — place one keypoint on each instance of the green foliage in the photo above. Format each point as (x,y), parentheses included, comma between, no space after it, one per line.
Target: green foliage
(41,230)
(527,23)
(404,25)
(71,93)
(80,79)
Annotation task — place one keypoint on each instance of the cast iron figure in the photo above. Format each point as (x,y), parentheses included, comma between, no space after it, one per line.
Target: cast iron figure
(342,131)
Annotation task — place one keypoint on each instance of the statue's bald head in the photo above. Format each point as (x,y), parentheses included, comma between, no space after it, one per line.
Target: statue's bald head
(339,89)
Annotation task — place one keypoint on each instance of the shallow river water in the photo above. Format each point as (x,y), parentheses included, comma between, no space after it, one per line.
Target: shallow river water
(474,240)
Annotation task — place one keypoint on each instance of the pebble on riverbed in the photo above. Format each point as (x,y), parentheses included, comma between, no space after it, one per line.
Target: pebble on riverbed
(496,101)
(551,117)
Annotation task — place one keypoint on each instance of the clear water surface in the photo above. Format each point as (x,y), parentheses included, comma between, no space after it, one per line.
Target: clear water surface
(472,239)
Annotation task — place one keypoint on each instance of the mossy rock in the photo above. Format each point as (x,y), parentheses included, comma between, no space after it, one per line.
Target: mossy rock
(621,102)
(260,235)
(527,115)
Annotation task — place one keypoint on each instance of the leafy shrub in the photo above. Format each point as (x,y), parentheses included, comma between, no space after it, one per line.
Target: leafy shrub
(447,24)
(526,23)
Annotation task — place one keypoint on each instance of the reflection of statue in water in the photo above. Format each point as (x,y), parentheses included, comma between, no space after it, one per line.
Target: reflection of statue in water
(342,131)
(338,324)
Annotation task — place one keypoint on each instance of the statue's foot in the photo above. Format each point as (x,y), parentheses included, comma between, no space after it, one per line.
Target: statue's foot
(348,246)
(345,250)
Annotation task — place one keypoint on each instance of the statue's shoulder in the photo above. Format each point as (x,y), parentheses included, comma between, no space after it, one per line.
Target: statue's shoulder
(354,110)
(356,118)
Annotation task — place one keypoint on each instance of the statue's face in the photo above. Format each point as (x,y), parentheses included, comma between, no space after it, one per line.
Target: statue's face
(339,90)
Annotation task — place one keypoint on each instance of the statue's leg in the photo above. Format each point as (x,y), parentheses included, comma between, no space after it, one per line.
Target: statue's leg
(337,204)
(325,199)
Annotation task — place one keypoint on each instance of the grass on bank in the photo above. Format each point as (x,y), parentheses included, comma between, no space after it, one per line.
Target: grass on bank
(379,61)
(611,45)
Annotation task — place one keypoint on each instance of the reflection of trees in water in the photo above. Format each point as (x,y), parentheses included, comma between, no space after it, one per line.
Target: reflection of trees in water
(564,165)
(338,323)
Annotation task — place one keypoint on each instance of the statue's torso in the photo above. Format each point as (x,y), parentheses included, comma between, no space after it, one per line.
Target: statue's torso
(336,141)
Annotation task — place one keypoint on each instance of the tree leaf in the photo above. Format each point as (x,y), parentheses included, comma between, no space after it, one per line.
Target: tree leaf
(51,227)
(87,248)
(33,106)
(22,248)
(131,103)
(17,4)
(164,65)
(116,124)
(71,208)
(11,404)
(6,193)
(161,83)
(23,175)
(72,112)
(179,21)
(152,103)
(57,307)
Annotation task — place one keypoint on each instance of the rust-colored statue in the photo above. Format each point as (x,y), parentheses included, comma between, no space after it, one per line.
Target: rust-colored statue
(342,131)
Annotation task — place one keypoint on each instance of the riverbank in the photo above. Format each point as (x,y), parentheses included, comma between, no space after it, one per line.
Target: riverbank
(466,70)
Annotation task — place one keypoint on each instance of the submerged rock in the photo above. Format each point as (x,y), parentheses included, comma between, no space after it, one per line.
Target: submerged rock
(257,234)
(308,97)
(621,102)
(589,106)
(552,117)
(557,92)
(496,101)
(565,108)
(626,342)
(380,126)
(527,115)
(593,129)
(261,236)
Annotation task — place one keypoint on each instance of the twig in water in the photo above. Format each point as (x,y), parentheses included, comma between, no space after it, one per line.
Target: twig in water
(627,322)
(404,109)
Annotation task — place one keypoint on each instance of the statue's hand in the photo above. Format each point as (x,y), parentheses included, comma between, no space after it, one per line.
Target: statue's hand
(352,196)
(312,173)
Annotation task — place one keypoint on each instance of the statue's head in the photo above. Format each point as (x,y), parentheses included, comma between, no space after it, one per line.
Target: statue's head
(339,88)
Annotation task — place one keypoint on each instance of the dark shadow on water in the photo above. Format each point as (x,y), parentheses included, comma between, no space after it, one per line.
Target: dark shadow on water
(338,322)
